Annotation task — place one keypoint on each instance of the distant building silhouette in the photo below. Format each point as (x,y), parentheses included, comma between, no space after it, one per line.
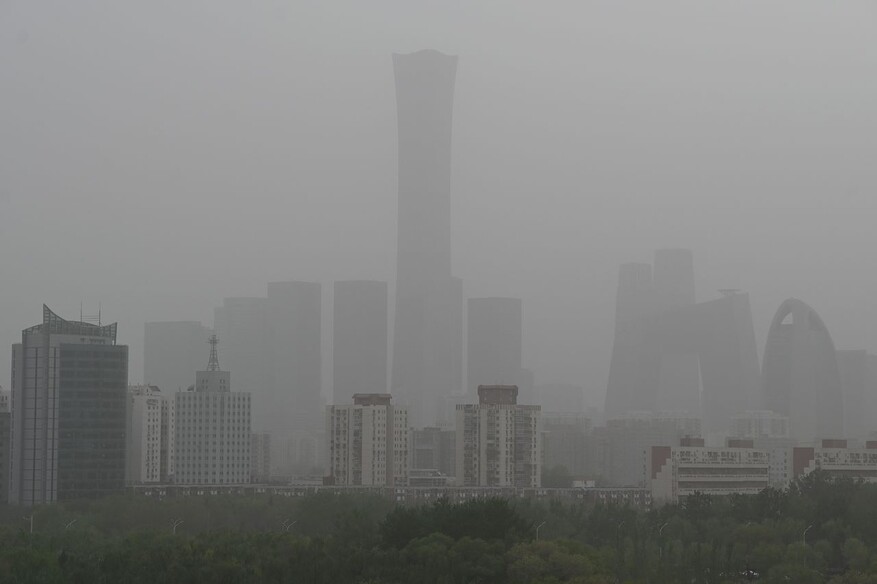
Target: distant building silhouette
(360,339)
(69,386)
(494,342)
(672,354)
(294,321)
(800,375)
(858,376)
(273,345)
(172,352)
(427,345)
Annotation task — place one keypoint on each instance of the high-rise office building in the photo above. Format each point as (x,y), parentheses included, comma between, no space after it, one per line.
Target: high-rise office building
(858,376)
(69,386)
(495,332)
(294,320)
(427,342)
(499,443)
(800,375)
(172,352)
(360,339)
(367,442)
(212,442)
(5,435)
(672,354)
(242,324)
(144,436)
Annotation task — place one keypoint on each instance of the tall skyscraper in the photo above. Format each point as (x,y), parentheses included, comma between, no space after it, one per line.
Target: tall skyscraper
(800,375)
(69,388)
(673,355)
(172,351)
(212,442)
(242,325)
(294,320)
(427,346)
(360,339)
(495,332)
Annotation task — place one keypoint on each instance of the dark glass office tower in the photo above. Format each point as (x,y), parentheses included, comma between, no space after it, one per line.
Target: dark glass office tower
(69,387)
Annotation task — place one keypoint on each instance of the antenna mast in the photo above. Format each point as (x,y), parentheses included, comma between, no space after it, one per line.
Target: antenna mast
(213,364)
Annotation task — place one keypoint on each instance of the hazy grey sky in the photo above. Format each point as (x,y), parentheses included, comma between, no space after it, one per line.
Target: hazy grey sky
(158,157)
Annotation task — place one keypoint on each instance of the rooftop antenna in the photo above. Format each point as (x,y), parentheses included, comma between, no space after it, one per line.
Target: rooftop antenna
(213,364)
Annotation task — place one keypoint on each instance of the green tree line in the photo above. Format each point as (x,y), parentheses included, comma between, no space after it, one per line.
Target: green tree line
(818,530)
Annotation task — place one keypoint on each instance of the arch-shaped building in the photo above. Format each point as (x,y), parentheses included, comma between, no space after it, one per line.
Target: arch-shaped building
(800,375)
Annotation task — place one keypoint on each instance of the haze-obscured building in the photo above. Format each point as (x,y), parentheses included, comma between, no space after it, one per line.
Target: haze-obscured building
(260,457)
(627,442)
(434,448)
(567,442)
(858,377)
(673,354)
(367,442)
(69,388)
(800,375)
(428,328)
(498,442)
(360,339)
(212,442)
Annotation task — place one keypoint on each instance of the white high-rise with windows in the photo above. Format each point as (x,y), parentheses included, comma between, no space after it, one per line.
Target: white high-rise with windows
(212,438)
(144,435)
(367,442)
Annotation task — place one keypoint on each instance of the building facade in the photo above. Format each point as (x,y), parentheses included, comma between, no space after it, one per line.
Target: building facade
(676,472)
(69,388)
(212,440)
(434,448)
(836,459)
(144,435)
(498,443)
(260,457)
(367,442)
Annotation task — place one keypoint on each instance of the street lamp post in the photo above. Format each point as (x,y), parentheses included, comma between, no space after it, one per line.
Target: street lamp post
(537,530)
(804,535)
(69,524)
(30,519)
(175,524)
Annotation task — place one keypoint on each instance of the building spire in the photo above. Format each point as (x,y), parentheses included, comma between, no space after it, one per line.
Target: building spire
(213,364)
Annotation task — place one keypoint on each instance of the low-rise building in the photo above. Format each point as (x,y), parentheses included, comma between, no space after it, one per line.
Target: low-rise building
(679,471)
(260,457)
(836,459)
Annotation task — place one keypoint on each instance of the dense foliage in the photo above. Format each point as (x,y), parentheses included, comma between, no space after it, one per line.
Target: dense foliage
(817,531)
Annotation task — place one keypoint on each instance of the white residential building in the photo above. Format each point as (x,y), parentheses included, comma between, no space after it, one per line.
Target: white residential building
(367,442)
(144,437)
(499,443)
(212,438)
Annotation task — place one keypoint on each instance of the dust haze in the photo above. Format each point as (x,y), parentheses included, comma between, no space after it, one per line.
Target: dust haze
(159,158)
